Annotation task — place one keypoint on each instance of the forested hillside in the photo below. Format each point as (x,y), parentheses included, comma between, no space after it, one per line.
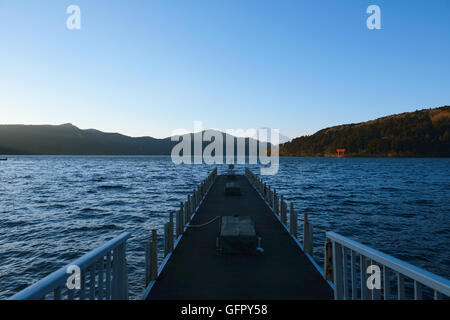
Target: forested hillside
(423,133)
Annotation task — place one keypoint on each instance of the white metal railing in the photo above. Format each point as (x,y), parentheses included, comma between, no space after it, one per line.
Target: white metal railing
(348,282)
(103,276)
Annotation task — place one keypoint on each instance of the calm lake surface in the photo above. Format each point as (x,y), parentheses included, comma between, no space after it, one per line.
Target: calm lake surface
(54,209)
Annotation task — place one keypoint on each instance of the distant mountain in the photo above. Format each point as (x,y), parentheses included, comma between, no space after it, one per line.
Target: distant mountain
(281,137)
(423,133)
(67,139)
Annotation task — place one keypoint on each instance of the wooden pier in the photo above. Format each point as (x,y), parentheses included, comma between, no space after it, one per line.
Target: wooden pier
(196,270)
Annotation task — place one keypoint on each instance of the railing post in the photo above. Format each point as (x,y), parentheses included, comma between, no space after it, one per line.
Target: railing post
(386,283)
(369,292)
(400,286)
(338,271)
(307,235)
(364,263)
(437,295)
(265,191)
(115,280)
(375,293)
(101,266)
(120,276)
(293,221)
(353,274)
(328,261)
(118,280)
(122,248)
(345,273)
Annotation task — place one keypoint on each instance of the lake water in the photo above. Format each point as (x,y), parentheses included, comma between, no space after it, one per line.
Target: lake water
(54,209)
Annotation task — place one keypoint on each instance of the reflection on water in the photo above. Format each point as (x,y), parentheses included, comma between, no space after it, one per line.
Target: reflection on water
(54,209)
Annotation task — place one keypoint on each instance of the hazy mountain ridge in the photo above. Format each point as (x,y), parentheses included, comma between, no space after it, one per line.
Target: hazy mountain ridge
(423,133)
(67,139)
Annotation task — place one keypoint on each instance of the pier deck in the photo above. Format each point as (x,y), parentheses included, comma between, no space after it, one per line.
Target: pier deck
(196,271)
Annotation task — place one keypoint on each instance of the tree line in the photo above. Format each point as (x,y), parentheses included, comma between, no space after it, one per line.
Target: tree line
(423,133)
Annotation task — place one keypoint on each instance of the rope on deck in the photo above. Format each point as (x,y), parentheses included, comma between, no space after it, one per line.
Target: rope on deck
(203,225)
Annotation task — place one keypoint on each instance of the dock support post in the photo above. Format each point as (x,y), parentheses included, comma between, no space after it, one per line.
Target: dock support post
(196,196)
(171,232)
(189,207)
(166,239)
(275,202)
(186,210)
(202,188)
(293,221)
(179,222)
(177,226)
(151,259)
(283,215)
(270,197)
(307,235)
(154,255)
(194,202)
(182,217)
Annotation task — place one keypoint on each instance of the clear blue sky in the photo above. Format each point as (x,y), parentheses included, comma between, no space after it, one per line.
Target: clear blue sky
(149,67)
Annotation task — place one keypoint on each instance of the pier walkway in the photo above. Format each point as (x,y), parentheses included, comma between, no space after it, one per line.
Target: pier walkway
(195,270)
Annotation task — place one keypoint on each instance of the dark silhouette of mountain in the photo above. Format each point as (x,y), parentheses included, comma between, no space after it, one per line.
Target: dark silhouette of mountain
(423,133)
(67,139)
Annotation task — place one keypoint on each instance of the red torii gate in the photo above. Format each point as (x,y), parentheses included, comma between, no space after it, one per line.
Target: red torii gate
(340,153)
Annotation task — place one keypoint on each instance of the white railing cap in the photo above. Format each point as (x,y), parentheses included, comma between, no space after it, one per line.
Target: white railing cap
(39,289)
(420,275)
